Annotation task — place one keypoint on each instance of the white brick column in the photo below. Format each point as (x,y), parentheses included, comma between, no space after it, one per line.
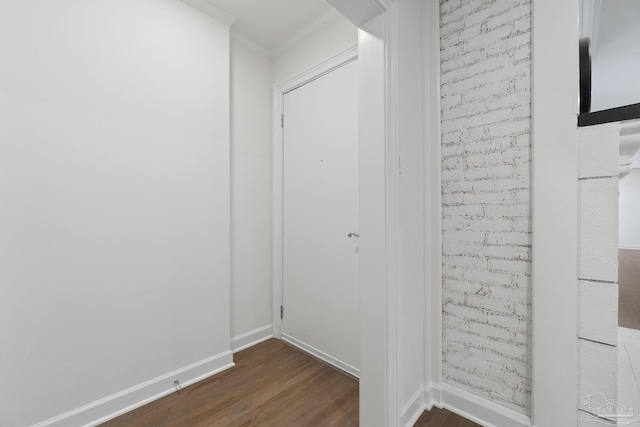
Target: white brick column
(597,264)
(486,163)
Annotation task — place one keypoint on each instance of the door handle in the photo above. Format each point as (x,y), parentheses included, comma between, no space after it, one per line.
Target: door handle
(353,235)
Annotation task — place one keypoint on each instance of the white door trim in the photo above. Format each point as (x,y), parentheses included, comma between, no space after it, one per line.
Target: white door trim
(433,193)
(279,91)
(378,228)
(391,45)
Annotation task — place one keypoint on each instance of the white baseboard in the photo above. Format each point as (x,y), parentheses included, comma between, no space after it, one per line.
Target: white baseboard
(127,400)
(422,400)
(479,410)
(251,338)
(432,396)
(413,409)
(463,403)
(632,247)
(322,356)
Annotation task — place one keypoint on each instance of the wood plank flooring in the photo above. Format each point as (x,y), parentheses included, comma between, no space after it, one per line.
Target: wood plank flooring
(272,384)
(629,289)
(443,418)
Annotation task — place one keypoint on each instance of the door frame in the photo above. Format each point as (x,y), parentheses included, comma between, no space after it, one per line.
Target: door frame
(279,91)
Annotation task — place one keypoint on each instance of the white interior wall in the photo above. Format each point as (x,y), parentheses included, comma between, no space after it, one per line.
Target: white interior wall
(629,211)
(251,196)
(114,177)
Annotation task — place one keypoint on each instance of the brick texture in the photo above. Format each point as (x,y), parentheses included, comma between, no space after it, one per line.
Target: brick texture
(486,165)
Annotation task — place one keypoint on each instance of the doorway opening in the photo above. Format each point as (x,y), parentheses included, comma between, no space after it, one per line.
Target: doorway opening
(320,310)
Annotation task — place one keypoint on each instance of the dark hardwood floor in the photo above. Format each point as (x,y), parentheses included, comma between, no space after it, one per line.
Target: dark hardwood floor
(443,418)
(629,289)
(272,384)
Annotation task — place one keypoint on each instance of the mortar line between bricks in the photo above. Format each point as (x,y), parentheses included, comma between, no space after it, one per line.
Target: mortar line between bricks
(595,416)
(597,177)
(598,281)
(598,342)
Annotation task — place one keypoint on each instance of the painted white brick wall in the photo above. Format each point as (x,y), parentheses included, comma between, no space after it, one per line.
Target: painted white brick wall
(598,229)
(598,311)
(486,164)
(597,374)
(598,149)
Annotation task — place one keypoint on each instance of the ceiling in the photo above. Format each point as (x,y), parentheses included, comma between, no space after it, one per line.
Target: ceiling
(270,22)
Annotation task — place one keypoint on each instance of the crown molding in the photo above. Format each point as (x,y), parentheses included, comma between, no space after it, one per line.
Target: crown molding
(252,45)
(359,12)
(316,25)
(212,10)
(313,26)
(385,4)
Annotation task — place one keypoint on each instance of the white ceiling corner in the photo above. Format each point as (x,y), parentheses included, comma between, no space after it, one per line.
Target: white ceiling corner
(212,10)
(266,25)
(313,26)
(242,40)
(359,12)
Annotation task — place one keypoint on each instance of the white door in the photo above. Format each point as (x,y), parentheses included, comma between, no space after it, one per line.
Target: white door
(321,295)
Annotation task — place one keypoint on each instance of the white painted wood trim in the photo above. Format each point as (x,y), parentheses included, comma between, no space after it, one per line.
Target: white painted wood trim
(432,396)
(433,192)
(251,338)
(555,224)
(278,168)
(312,27)
(110,407)
(213,11)
(391,46)
(322,355)
(252,45)
(278,211)
(319,70)
(463,403)
(413,409)
(482,411)
(374,400)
